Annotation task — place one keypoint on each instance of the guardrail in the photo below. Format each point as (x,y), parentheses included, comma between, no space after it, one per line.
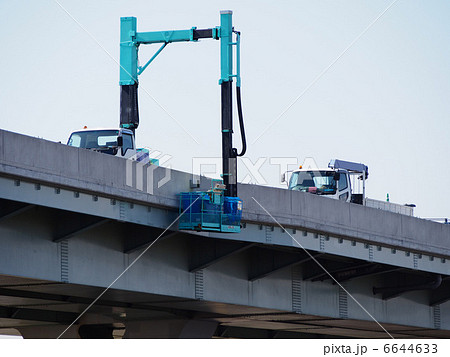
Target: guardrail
(389,206)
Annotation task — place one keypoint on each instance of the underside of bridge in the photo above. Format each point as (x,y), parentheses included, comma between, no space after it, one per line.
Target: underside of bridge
(44,309)
(189,285)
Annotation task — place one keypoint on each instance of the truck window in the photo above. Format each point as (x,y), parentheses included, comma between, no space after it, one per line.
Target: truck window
(342,184)
(104,141)
(127,143)
(321,182)
(75,140)
(110,140)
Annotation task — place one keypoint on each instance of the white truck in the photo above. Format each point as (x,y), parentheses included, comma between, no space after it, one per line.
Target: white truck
(118,142)
(341,180)
(335,181)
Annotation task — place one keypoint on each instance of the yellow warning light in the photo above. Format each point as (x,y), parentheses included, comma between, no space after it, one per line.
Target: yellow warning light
(85,127)
(300,167)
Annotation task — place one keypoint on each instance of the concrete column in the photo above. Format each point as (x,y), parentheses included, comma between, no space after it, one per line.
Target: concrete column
(181,328)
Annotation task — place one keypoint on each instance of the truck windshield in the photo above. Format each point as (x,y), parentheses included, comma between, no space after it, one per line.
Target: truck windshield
(320,182)
(99,140)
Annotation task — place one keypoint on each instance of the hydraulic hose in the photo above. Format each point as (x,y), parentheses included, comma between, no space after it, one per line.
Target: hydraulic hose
(241,121)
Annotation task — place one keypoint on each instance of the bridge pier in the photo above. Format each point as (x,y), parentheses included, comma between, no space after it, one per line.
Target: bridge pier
(181,328)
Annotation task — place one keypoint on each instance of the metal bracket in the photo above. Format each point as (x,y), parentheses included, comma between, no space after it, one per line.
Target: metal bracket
(142,69)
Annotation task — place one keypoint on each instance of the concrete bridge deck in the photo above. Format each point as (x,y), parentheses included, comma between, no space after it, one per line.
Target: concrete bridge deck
(72,220)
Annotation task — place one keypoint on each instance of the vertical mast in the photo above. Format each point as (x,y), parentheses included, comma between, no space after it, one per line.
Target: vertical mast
(229,164)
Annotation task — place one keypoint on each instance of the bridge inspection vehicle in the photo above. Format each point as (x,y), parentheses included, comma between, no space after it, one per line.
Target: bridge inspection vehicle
(218,209)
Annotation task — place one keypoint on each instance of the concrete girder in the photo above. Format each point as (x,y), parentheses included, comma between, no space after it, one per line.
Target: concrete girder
(365,272)
(93,175)
(156,217)
(206,252)
(344,271)
(389,292)
(70,224)
(244,332)
(88,300)
(175,328)
(355,270)
(441,294)
(264,261)
(138,237)
(313,271)
(10,209)
(19,313)
(51,331)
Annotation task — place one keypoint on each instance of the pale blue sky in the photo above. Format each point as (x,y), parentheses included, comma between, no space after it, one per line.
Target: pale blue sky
(384,103)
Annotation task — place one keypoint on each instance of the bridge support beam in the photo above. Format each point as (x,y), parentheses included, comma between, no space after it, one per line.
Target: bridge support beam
(139,237)
(69,224)
(354,271)
(206,252)
(181,328)
(51,331)
(266,261)
(441,294)
(390,292)
(10,209)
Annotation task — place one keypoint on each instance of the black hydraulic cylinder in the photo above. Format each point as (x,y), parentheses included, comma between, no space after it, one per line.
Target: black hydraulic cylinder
(202,33)
(129,113)
(229,156)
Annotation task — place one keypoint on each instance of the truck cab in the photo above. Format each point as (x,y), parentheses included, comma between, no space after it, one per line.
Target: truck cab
(328,182)
(335,181)
(118,142)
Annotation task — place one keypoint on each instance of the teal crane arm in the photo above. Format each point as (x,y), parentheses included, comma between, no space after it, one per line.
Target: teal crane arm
(130,40)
